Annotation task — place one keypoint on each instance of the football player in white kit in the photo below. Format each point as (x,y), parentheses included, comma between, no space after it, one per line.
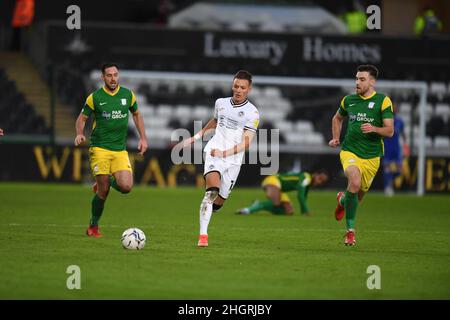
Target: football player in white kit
(236,120)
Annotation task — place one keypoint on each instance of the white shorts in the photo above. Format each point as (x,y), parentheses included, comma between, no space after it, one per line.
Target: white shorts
(228,173)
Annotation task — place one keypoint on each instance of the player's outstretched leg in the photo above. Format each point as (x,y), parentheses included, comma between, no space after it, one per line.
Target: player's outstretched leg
(351,204)
(254,207)
(97,205)
(266,205)
(205,214)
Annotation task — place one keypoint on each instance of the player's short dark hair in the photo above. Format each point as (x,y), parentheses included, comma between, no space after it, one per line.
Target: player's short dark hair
(108,65)
(243,74)
(371,69)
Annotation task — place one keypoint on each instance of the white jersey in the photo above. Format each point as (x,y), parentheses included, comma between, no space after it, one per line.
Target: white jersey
(232,120)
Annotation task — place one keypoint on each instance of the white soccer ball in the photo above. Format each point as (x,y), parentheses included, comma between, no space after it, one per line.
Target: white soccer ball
(133,238)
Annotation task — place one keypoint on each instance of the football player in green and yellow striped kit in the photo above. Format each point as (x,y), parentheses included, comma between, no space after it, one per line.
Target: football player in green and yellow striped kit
(276,188)
(108,157)
(370,118)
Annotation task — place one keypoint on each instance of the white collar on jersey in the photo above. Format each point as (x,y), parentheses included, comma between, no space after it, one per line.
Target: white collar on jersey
(235,105)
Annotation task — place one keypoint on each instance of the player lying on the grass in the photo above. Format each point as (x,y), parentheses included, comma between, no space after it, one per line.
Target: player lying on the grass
(276,188)
(370,118)
(108,157)
(236,120)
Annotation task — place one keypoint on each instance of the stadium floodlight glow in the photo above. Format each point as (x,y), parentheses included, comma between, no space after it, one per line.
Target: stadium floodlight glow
(420,87)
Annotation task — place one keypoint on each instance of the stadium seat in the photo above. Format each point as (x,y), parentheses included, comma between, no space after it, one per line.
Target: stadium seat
(314,138)
(429,111)
(404,107)
(147,110)
(428,142)
(164,110)
(272,92)
(304,126)
(438,89)
(442,142)
(255,92)
(442,110)
(183,113)
(294,138)
(203,113)
(157,122)
(272,115)
(284,126)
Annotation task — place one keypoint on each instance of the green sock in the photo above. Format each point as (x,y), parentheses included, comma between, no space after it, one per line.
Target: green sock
(266,205)
(97,209)
(342,200)
(113,183)
(350,204)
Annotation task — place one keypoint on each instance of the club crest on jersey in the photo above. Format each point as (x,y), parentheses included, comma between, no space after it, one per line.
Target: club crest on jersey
(352,117)
(124,102)
(371,104)
(241,113)
(106,115)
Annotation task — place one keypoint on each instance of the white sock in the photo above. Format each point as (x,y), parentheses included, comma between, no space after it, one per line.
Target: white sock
(205,215)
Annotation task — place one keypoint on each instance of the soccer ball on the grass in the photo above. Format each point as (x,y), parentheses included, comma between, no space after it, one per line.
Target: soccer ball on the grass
(133,238)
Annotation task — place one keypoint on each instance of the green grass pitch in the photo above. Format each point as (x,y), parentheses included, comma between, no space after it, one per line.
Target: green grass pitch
(261,256)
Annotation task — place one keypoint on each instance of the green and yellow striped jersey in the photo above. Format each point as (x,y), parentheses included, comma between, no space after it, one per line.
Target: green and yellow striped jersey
(110,117)
(361,110)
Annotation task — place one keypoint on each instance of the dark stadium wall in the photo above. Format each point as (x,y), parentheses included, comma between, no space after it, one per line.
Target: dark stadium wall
(224,52)
(99,10)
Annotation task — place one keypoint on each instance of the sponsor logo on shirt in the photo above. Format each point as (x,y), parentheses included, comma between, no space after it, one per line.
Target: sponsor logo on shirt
(106,115)
(361,117)
(228,123)
(113,115)
(118,114)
